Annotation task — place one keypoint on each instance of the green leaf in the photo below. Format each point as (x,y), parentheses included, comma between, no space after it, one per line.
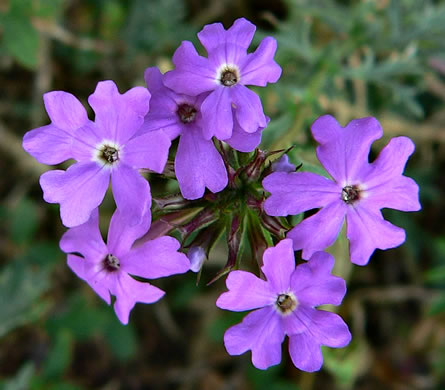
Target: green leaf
(21,380)
(59,356)
(437,305)
(20,290)
(23,221)
(21,39)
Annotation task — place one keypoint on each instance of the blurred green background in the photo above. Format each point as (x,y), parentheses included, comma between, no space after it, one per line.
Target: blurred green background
(352,59)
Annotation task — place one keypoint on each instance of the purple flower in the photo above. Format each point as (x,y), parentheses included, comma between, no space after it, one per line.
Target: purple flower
(285,303)
(107,268)
(103,149)
(225,74)
(358,191)
(197,164)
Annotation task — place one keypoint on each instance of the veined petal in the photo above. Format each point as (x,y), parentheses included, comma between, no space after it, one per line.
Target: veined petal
(246,292)
(305,353)
(77,265)
(259,67)
(367,231)
(79,190)
(65,110)
(85,239)
(149,150)
(295,192)
(313,284)
(155,259)
(216,110)
(385,185)
(279,263)
(48,144)
(324,327)
(344,151)
(319,230)
(214,35)
(198,165)
(261,332)
(193,74)
(241,33)
(249,111)
(129,291)
(121,235)
(118,117)
(242,141)
(131,193)
(166,122)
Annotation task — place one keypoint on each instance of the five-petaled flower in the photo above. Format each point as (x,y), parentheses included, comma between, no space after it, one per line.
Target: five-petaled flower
(285,304)
(104,148)
(107,268)
(358,192)
(225,74)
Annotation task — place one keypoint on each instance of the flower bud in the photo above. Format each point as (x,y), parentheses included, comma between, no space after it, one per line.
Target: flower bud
(283,165)
(197,256)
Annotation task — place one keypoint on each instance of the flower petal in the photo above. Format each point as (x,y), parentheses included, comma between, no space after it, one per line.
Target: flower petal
(246,292)
(259,67)
(385,185)
(79,190)
(214,35)
(249,111)
(65,110)
(313,283)
(260,332)
(241,33)
(325,328)
(367,231)
(217,117)
(344,151)
(48,144)
(305,354)
(242,141)
(149,151)
(121,235)
(85,239)
(198,165)
(129,291)
(77,265)
(131,193)
(118,117)
(295,192)
(320,230)
(193,74)
(155,259)
(279,263)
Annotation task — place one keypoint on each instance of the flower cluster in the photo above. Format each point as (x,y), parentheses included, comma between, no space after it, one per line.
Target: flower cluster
(222,177)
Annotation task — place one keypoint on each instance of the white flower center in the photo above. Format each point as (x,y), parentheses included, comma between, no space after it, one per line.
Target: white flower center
(228,75)
(351,194)
(286,303)
(107,153)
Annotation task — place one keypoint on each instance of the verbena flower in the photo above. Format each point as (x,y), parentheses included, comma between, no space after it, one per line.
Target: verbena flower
(225,74)
(358,191)
(197,163)
(285,304)
(104,148)
(107,268)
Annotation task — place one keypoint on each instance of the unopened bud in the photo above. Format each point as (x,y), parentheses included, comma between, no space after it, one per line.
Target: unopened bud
(283,165)
(197,256)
